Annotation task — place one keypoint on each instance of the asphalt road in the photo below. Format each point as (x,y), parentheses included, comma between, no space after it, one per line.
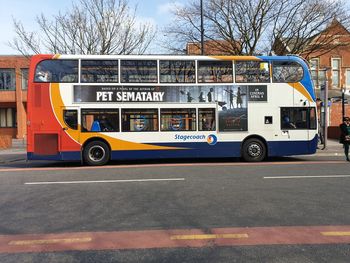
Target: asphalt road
(54,203)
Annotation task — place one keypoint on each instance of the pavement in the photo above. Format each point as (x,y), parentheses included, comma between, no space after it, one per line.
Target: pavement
(18,151)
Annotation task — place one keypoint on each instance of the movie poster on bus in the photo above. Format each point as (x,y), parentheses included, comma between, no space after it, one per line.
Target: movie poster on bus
(231,99)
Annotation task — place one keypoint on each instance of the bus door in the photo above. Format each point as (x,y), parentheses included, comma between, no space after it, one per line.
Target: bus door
(70,127)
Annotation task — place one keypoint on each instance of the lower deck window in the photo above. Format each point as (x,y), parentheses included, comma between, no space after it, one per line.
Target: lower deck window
(206,119)
(100,120)
(139,120)
(298,118)
(178,119)
(71,118)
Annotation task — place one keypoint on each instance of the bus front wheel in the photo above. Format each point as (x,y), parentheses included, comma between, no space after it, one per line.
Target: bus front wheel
(96,153)
(253,150)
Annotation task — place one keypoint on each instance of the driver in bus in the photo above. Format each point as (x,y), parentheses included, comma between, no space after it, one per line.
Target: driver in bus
(287,124)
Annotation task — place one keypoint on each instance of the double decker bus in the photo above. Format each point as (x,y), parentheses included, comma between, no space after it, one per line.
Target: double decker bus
(97,108)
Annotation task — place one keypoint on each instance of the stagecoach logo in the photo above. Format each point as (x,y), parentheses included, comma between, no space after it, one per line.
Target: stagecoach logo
(212,139)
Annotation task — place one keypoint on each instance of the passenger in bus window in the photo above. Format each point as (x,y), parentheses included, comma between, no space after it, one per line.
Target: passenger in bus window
(42,75)
(287,124)
(105,124)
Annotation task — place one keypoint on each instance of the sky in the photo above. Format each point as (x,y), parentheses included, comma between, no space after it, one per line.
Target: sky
(157,12)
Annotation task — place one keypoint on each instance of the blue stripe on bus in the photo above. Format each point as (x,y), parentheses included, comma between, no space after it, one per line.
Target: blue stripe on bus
(195,150)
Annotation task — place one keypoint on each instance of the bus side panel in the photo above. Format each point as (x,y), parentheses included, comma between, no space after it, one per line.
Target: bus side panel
(194,150)
(285,148)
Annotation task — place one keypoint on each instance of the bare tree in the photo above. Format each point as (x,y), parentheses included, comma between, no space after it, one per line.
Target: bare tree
(254,26)
(90,27)
(309,26)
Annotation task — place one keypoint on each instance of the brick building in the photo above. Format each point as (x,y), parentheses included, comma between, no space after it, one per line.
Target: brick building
(212,47)
(13,95)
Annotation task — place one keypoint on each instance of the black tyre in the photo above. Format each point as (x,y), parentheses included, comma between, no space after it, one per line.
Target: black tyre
(96,153)
(253,150)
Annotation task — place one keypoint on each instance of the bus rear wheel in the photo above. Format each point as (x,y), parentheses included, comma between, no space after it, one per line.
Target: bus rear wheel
(253,150)
(96,153)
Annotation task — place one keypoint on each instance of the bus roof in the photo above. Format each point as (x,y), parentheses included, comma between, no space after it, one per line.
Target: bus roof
(179,57)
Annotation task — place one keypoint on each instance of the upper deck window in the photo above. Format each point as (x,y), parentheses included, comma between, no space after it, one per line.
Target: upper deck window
(177,71)
(252,72)
(287,71)
(57,71)
(99,71)
(139,71)
(215,71)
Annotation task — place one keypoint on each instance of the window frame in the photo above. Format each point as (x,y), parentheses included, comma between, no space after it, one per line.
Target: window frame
(12,73)
(101,66)
(256,75)
(202,81)
(122,72)
(6,113)
(139,109)
(77,75)
(65,122)
(308,121)
(214,122)
(336,69)
(173,60)
(291,62)
(195,128)
(100,110)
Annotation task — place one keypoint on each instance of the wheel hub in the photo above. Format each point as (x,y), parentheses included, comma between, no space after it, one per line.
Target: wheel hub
(96,153)
(254,150)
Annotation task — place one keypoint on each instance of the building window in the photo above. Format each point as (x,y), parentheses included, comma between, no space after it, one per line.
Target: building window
(7,79)
(24,78)
(314,67)
(348,78)
(7,118)
(335,72)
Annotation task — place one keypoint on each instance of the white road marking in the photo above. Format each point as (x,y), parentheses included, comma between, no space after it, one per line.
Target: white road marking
(106,181)
(307,177)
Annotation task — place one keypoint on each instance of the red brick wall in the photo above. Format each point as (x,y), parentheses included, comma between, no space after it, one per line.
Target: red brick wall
(18,97)
(336,118)
(5,141)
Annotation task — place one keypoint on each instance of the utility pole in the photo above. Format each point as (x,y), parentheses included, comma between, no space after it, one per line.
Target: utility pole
(202,30)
